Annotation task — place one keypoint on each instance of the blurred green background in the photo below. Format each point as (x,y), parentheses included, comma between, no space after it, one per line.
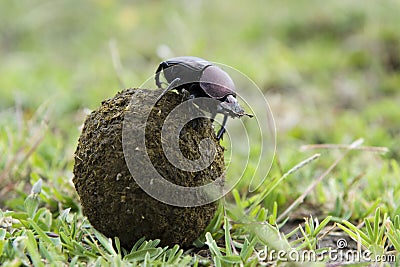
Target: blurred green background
(61,49)
(331,71)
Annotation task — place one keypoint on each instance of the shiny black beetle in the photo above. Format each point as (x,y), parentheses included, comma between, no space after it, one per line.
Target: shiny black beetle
(200,78)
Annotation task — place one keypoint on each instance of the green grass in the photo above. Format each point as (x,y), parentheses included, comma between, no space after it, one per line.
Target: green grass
(331,72)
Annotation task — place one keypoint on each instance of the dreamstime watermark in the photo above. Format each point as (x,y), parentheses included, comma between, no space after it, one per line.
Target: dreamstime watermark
(253,141)
(339,254)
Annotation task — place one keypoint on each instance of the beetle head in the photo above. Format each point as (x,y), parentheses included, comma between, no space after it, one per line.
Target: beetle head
(231,106)
(218,85)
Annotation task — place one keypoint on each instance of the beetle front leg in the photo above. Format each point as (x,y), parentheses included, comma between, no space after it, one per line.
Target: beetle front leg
(222,130)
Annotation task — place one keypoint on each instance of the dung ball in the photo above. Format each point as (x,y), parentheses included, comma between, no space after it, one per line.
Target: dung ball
(111,198)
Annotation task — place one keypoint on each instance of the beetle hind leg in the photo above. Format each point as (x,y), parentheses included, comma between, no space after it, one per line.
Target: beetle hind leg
(170,87)
(222,130)
(160,68)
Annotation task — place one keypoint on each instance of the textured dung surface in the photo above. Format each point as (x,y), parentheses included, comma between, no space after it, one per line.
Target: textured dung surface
(110,197)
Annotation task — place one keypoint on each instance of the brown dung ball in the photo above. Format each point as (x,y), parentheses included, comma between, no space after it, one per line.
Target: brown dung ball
(111,199)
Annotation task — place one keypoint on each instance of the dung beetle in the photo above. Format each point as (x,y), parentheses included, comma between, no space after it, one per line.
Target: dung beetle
(200,78)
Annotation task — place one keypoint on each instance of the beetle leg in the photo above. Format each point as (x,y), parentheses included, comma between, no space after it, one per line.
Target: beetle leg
(170,87)
(162,66)
(186,94)
(193,109)
(164,83)
(222,130)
